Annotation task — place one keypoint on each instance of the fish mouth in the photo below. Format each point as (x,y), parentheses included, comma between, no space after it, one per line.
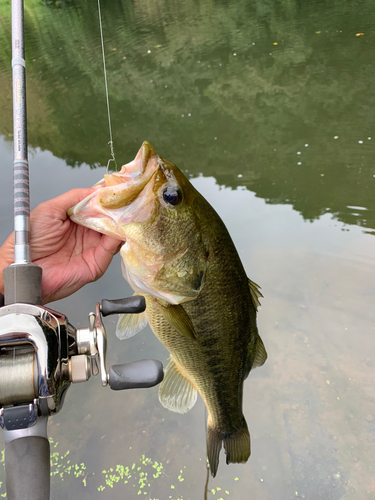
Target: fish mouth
(120,197)
(132,170)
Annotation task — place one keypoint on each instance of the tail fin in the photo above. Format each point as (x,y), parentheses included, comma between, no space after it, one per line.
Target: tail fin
(236,445)
(214,444)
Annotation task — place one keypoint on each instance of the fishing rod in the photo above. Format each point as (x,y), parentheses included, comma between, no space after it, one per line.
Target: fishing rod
(41,353)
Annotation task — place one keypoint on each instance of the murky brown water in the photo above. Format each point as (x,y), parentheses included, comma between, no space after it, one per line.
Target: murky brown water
(269,107)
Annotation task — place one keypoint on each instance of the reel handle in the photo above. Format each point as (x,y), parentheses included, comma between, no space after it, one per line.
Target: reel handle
(135,375)
(130,305)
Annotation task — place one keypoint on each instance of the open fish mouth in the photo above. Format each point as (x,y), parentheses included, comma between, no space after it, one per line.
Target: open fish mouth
(121,197)
(132,170)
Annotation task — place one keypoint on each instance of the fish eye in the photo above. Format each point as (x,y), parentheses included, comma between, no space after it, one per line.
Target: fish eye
(172,195)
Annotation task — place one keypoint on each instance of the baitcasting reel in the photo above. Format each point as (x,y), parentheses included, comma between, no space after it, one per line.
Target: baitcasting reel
(41,353)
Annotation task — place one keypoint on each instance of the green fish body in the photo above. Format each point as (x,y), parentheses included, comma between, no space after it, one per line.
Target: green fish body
(200,304)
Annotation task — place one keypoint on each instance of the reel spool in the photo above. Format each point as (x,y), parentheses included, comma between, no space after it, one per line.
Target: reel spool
(18,375)
(35,345)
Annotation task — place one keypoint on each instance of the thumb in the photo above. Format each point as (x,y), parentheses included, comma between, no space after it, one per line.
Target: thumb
(105,251)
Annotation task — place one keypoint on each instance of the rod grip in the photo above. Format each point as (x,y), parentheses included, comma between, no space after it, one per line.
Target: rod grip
(136,375)
(27,468)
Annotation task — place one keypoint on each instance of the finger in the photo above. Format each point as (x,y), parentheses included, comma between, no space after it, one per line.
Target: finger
(58,206)
(104,253)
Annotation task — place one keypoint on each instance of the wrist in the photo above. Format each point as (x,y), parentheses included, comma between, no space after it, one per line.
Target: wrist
(6,258)
(3,265)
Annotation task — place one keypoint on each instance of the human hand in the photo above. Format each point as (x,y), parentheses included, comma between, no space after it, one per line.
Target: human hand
(70,255)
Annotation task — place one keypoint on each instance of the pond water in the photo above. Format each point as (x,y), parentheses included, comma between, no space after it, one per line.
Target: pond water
(269,108)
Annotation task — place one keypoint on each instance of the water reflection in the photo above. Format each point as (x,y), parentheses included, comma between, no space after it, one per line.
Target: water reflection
(237,90)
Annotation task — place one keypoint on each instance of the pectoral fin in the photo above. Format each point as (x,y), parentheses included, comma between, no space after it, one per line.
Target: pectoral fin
(129,325)
(255,293)
(178,319)
(175,392)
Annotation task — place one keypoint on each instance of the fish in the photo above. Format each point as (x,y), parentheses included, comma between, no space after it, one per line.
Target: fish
(200,304)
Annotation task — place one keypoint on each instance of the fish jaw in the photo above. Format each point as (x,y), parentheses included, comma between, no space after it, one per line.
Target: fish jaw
(121,197)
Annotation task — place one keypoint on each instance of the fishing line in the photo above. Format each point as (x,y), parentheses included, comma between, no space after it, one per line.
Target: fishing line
(206,485)
(106,93)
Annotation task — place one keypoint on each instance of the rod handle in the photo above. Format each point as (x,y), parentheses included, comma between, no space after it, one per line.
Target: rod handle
(27,468)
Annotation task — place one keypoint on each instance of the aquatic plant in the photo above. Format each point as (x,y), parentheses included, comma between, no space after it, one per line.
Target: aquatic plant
(138,476)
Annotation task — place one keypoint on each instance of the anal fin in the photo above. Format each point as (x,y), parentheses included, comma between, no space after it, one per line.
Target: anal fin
(175,392)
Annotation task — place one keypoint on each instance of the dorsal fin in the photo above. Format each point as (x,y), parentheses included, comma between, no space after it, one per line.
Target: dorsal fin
(255,293)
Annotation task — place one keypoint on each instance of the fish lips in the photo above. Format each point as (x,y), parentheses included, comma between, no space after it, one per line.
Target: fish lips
(121,197)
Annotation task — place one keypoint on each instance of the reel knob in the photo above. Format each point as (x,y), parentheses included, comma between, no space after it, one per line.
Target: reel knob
(136,375)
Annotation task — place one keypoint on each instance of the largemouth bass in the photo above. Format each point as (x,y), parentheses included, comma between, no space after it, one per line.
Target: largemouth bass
(199,302)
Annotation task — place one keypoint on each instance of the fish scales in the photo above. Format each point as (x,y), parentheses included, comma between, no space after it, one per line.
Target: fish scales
(223,319)
(179,255)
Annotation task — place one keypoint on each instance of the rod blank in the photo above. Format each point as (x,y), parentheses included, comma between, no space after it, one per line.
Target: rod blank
(21,194)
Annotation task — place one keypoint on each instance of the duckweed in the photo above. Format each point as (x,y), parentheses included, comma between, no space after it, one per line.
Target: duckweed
(140,475)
